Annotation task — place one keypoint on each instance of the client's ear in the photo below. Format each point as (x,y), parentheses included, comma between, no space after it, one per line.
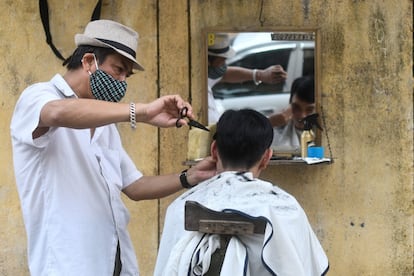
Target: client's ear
(265,159)
(213,150)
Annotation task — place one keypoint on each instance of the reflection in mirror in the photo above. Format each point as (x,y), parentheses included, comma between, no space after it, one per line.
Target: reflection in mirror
(256,70)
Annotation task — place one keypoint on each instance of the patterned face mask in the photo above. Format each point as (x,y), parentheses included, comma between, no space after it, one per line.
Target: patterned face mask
(216,72)
(105,87)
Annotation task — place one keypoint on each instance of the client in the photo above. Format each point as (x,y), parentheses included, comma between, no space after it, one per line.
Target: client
(242,149)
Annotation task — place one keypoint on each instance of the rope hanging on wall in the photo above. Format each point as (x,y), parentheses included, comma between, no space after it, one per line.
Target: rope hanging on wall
(261,16)
(44,15)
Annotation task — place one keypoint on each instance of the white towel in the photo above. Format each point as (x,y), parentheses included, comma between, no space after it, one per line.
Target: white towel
(201,257)
(236,262)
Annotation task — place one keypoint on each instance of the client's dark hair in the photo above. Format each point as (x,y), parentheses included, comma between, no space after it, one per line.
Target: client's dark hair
(74,61)
(242,137)
(304,89)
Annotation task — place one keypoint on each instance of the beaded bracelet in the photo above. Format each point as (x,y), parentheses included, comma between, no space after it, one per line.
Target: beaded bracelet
(132,119)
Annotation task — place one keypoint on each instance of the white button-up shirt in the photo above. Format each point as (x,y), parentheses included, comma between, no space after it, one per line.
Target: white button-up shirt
(70,190)
(213,112)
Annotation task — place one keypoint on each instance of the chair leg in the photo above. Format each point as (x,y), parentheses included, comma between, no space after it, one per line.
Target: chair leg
(217,258)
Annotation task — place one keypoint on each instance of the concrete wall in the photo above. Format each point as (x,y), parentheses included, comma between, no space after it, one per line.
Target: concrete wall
(361,206)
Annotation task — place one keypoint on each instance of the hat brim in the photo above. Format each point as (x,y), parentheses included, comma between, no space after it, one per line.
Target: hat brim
(81,39)
(230,53)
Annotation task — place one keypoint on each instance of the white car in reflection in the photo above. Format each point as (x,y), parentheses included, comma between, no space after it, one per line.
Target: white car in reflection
(258,50)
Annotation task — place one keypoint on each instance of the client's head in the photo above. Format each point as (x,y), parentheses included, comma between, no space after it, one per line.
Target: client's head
(242,140)
(302,99)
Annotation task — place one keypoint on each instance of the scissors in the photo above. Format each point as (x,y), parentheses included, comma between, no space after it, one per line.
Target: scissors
(183,114)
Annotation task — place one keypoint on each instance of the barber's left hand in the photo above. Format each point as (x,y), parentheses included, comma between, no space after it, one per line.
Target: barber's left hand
(203,170)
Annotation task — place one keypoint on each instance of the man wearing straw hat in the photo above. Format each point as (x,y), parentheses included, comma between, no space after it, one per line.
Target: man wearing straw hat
(70,164)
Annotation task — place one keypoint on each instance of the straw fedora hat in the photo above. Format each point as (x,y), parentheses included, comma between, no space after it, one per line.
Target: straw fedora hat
(111,34)
(221,46)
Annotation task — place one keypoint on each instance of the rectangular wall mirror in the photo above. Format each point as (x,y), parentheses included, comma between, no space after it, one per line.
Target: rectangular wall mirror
(293,50)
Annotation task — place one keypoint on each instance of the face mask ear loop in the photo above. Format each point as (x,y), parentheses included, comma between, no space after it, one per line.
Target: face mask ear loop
(96,63)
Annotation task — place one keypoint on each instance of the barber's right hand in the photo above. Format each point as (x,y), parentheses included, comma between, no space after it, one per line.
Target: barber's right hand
(164,111)
(273,74)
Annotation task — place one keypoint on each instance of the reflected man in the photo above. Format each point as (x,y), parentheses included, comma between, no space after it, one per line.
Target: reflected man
(219,71)
(288,125)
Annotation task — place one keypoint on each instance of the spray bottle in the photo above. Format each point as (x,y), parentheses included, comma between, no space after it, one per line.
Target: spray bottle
(307,137)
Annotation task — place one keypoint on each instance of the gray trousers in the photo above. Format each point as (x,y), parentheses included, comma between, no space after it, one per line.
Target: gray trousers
(118,264)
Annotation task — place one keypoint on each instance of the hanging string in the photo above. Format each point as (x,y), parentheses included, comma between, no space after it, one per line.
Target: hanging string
(305,4)
(261,16)
(44,15)
(326,134)
(96,14)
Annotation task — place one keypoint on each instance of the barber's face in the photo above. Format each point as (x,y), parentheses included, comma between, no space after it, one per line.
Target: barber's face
(217,62)
(301,109)
(216,67)
(117,66)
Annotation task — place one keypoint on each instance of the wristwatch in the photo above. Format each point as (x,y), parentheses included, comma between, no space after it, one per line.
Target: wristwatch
(183,180)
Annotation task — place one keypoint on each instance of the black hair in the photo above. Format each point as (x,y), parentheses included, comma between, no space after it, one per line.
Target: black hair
(242,137)
(304,89)
(74,61)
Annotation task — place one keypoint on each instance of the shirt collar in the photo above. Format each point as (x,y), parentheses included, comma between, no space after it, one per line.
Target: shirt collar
(59,82)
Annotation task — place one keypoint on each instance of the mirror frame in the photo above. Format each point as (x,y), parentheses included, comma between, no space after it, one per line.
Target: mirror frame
(317,66)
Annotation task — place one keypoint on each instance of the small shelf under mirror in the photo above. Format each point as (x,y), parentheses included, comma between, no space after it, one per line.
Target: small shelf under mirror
(275,162)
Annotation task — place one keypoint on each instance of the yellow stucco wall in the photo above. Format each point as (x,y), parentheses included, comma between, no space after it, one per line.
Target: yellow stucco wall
(361,206)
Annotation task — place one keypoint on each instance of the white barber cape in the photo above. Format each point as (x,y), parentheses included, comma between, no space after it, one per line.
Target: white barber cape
(288,247)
